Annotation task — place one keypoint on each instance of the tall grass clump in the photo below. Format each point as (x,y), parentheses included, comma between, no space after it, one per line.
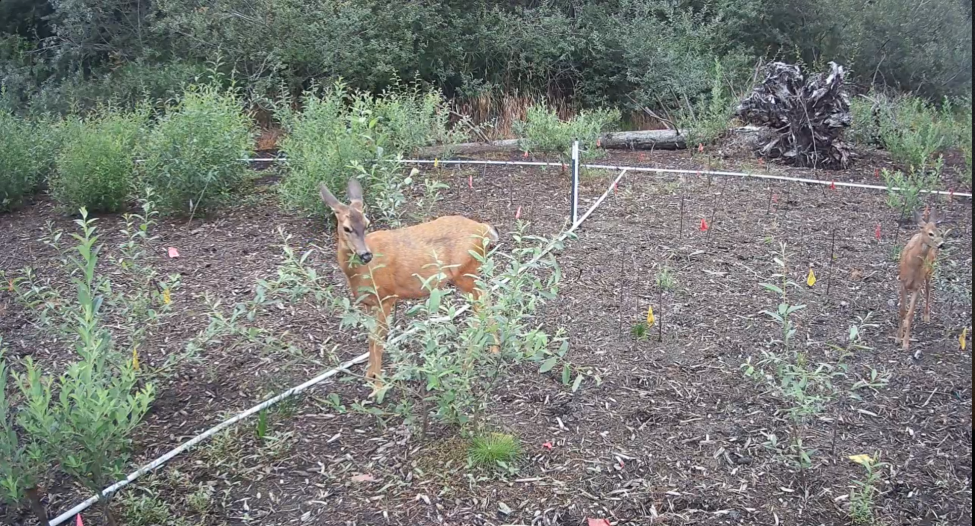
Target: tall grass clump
(543,130)
(28,150)
(864,130)
(708,121)
(193,154)
(966,139)
(95,167)
(341,134)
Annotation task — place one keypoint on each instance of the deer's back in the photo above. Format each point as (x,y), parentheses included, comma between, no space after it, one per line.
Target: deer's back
(917,263)
(402,257)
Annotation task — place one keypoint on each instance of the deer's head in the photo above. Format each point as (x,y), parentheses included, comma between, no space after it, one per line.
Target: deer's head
(351,218)
(929,226)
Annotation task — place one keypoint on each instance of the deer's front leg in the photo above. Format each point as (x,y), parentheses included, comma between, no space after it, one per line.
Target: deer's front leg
(481,299)
(377,341)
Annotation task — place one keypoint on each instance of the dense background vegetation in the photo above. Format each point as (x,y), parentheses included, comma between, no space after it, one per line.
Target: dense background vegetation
(59,55)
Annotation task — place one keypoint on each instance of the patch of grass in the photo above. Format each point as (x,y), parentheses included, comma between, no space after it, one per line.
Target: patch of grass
(640,331)
(201,501)
(224,452)
(666,281)
(494,451)
(145,509)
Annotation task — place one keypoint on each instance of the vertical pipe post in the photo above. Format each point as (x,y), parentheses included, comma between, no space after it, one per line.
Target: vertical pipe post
(575,182)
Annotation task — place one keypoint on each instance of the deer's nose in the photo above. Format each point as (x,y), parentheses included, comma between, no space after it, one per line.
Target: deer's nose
(366,257)
(941,245)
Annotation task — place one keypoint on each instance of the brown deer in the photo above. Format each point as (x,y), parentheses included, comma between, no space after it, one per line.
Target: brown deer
(916,268)
(393,265)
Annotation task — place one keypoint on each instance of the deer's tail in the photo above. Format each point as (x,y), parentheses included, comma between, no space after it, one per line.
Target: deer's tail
(492,234)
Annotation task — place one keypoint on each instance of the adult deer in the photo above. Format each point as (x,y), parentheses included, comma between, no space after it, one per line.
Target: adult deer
(393,265)
(916,267)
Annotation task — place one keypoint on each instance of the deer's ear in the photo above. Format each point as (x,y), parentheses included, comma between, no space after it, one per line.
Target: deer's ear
(358,206)
(330,199)
(920,219)
(936,218)
(355,190)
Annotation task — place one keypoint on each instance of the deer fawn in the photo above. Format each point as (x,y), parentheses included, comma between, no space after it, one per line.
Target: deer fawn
(394,264)
(916,268)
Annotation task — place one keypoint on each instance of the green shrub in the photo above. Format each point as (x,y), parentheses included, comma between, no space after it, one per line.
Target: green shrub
(341,134)
(321,144)
(906,192)
(95,166)
(543,131)
(413,118)
(914,131)
(28,152)
(193,154)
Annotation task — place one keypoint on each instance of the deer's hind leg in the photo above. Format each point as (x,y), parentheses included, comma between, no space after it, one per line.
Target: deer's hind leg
(902,312)
(468,285)
(906,322)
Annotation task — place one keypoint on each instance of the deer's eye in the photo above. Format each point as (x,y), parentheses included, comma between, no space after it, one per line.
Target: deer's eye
(347,230)
(930,234)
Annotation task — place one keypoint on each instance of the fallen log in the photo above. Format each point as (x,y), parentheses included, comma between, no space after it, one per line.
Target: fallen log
(632,140)
(635,140)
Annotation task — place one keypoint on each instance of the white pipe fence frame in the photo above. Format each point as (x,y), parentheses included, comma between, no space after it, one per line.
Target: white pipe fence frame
(652,170)
(575,223)
(161,461)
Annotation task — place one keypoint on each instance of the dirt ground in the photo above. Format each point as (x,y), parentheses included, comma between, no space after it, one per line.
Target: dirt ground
(671,433)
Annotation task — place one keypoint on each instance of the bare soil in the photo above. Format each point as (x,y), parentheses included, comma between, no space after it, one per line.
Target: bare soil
(666,430)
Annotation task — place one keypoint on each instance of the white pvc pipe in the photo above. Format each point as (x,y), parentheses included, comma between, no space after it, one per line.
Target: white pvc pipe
(575,182)
(156,464)
(780,178)
(771,178)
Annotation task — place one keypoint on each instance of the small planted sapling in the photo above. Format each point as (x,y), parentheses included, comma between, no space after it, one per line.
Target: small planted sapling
(864,494)
(87,426)
(22,465)
(783,314)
